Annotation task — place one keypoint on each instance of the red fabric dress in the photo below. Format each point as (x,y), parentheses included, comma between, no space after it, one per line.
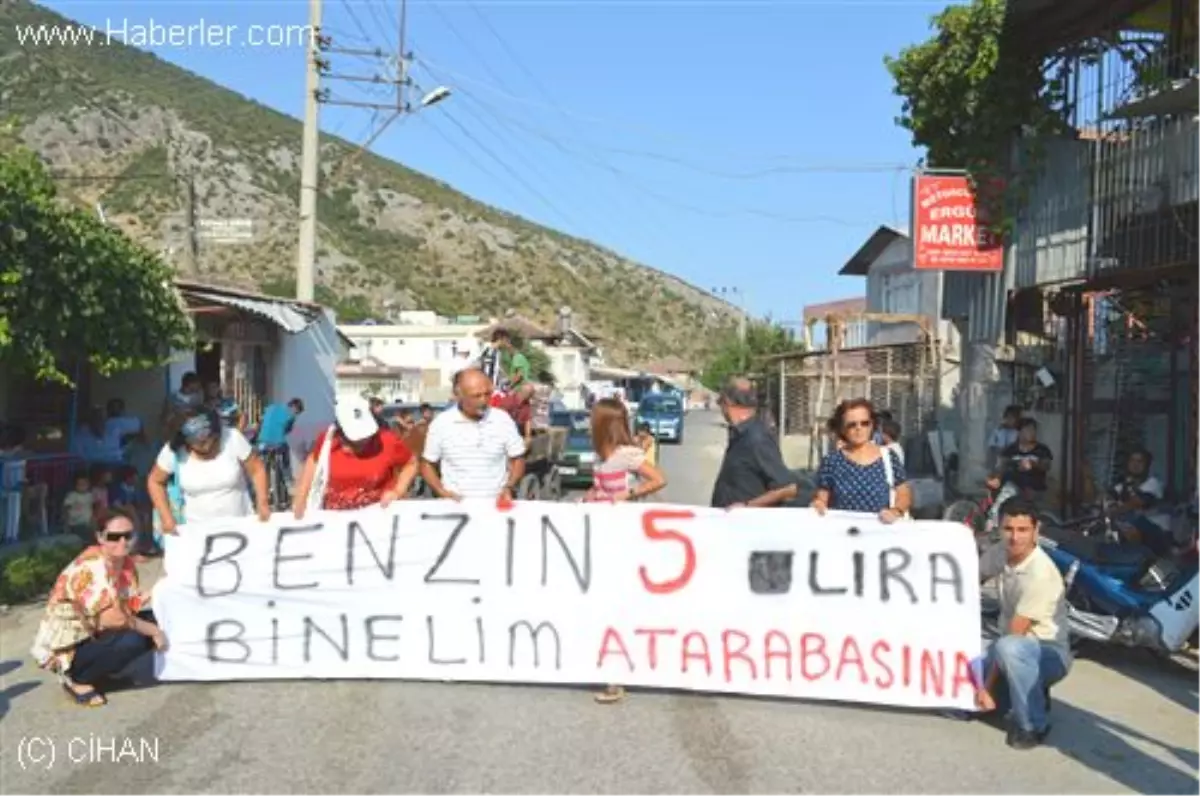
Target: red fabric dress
(355,480)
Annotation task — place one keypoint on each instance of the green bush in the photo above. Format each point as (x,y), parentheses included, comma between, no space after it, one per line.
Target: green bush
(30,575)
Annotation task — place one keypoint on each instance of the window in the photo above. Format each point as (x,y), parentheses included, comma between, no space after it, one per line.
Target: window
(900,294)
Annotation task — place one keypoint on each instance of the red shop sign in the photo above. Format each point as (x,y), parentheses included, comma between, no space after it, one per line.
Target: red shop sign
(948,234)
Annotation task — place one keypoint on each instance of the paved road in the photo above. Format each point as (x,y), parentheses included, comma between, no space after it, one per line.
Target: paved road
(1126,724)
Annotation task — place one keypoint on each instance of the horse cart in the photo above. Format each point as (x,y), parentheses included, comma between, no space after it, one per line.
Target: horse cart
(542,480)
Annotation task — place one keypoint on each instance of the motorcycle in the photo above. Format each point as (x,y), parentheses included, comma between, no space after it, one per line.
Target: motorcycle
(1126,594)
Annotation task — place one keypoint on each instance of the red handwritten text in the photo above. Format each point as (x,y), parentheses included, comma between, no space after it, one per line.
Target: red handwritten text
(775,656)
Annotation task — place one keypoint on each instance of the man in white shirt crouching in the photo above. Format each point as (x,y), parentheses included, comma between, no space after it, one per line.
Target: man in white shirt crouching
(1033,651)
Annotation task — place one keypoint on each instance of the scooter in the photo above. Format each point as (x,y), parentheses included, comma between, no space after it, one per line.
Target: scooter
(1126,594)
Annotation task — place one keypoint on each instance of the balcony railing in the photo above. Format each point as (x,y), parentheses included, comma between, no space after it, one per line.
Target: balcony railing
(1122,194)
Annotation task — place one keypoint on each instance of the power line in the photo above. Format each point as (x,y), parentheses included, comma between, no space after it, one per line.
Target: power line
(635,183)
(512,172)
(487,64)
(639,219)
(786,162)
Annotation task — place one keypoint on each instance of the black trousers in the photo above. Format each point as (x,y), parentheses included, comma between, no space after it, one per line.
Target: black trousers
(99,658)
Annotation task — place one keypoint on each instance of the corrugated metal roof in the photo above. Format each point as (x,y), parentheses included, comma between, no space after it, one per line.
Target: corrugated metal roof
(289,316)
(1037,27)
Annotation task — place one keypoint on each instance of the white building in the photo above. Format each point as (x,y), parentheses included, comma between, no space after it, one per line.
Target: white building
(371,378)
(421,343)
(894,287)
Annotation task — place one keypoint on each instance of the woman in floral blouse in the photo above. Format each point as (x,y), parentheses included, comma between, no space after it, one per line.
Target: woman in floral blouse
(97,621)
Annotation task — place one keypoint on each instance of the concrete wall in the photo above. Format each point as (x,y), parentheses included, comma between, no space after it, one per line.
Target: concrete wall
(303,367)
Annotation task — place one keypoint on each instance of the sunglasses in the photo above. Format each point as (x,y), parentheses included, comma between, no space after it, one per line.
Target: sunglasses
(118,537)
(856,424)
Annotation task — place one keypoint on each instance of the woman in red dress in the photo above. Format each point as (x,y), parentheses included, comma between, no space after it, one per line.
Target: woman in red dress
(354,464)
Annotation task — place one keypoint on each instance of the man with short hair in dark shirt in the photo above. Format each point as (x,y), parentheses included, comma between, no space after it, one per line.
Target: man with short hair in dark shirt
(752,472)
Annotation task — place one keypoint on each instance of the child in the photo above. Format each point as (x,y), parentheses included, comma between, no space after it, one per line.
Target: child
(126,494)
(648,443)
(123,493)
(1005,434)
(79,509)
(101,480)
(891,438)
(623,473)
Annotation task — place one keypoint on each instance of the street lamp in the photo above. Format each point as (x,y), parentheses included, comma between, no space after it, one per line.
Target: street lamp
(434,97)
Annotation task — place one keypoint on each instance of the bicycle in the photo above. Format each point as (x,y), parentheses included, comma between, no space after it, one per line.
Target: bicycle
(277,459)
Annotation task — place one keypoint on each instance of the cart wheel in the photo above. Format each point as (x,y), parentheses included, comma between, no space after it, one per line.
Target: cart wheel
(552,486)
(529,488)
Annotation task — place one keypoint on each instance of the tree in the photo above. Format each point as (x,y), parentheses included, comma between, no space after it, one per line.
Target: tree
(966,99)
(540,367)
(735,357)
(73,288)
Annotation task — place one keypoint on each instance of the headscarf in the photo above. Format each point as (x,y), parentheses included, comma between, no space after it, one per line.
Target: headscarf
(197,428)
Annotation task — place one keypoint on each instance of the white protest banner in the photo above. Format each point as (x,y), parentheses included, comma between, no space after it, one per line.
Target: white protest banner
(777,602)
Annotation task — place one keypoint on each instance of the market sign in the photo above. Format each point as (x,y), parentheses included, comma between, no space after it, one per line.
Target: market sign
(949,234)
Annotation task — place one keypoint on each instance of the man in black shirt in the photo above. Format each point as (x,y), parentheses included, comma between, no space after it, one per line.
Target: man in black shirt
(1023,466)
(752,472)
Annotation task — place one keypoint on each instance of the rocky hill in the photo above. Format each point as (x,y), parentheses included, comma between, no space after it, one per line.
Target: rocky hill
(137,135)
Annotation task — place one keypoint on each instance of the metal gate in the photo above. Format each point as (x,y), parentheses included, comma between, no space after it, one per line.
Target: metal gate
(1135,386)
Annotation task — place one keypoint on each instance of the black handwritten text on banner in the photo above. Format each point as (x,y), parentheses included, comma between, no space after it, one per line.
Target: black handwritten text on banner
(772,602)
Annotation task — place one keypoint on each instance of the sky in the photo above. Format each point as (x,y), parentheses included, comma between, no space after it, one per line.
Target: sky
(746,145)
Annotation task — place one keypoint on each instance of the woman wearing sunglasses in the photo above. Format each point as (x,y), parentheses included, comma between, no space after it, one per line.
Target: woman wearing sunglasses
(97,621)
(861,475)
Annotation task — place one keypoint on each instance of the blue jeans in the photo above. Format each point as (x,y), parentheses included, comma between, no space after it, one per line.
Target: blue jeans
(107,654)
(1028,668)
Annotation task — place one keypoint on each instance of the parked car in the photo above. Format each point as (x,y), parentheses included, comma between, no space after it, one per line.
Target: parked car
(663,413)
(578,458)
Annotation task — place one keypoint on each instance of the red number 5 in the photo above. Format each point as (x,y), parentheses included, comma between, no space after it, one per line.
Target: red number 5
(650,520)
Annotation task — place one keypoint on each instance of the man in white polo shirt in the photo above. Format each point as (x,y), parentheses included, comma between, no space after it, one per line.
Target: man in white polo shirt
(478,446)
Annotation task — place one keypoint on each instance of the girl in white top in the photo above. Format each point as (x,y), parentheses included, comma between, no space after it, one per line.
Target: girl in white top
(623,473)
(211,464)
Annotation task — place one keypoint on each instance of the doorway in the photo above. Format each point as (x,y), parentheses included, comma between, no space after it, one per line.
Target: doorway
(208,363)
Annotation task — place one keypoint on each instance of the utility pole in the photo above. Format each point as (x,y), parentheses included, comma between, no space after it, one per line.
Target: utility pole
(739,300)
(306,256)
(193,234)
(318,69)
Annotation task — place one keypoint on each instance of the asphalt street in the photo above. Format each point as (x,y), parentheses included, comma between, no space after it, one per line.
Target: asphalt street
(1125,723)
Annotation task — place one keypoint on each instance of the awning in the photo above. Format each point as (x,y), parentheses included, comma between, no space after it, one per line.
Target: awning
(1038,27)
(293,317)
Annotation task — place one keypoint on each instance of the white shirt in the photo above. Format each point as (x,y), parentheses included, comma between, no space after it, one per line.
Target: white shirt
(473,454)
(212,488)
(1034,589)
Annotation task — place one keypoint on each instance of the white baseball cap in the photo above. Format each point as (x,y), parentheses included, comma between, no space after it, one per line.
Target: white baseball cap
(355,420)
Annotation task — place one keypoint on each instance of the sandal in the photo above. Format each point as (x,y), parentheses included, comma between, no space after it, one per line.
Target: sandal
(611,695)
(88,699)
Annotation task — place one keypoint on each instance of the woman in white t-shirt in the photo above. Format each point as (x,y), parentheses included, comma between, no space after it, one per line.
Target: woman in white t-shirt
(210,465)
